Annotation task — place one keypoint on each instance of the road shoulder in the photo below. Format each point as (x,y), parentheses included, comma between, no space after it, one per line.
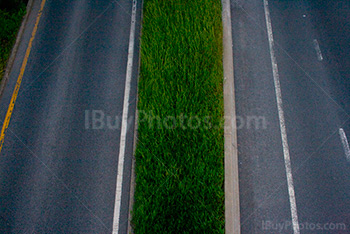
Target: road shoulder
(15,47)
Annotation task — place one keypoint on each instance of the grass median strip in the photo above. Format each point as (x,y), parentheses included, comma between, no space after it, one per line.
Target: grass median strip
(10,21)
(180,150)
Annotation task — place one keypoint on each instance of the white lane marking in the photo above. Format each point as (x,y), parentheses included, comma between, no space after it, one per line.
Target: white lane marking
(318,50)
(287,163)
(124,126)
(344,141)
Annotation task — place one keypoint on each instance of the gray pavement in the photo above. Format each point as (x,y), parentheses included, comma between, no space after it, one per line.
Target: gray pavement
(57,173)
(316,104)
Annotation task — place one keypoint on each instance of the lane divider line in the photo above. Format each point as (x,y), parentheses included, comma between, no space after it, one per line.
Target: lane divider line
(287,162)
(124,125)
(20,77)
(318,50)
(344,141)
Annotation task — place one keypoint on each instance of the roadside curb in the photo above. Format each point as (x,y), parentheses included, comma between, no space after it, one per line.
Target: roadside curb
(130,229)
(132,180)
(232,209)
(14,50)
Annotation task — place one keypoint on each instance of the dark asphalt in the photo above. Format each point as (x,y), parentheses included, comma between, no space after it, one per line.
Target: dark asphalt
(316,103)
(57,176)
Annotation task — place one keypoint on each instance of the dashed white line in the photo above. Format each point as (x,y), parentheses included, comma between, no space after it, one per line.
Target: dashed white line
(287,161)
(344,141)
(318,50)
(124,126)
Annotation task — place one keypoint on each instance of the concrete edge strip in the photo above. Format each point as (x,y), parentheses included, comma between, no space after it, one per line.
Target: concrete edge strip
(132,179)
(15,48)
(133,161)
(232,209)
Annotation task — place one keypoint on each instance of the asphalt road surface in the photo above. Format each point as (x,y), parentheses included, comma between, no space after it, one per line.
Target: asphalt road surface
(58,167)
(311,49)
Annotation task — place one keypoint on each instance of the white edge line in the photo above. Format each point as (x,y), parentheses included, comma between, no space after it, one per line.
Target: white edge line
(124,126)
(287,162)
(345,143)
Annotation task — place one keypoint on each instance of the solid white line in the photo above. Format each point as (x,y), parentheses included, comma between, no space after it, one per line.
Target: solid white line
(287,162)
(124,126)
(318,50)
(345,143)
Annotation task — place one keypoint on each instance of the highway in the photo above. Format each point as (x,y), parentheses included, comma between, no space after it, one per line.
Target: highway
(71,133)
(72,127)
(292,71)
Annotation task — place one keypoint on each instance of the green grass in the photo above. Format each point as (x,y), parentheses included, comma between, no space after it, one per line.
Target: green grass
(10,21)
(179,169)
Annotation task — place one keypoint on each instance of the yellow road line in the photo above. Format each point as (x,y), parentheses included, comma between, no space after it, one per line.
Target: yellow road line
(19,79)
